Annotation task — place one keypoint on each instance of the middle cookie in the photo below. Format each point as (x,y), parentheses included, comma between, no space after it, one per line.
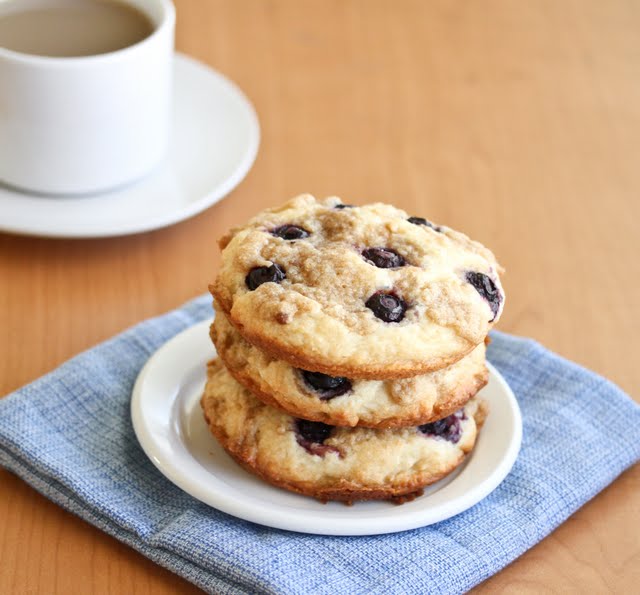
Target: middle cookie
(342,401)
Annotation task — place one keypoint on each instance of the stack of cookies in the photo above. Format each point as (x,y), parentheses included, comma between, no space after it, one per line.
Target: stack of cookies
(351,345)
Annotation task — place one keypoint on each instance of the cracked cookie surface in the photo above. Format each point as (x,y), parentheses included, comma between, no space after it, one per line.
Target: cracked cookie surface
(361,292)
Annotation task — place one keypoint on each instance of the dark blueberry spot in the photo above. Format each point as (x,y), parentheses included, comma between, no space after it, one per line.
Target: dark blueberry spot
(314,432)
(423,221)
(328,387)
(383,258)
(290,232)
(259,275)
(343,206)
(311,436)
(485,286)
(387,306)
(448,428)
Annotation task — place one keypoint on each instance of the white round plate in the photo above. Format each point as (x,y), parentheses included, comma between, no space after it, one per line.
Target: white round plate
(170,427)
(215,137)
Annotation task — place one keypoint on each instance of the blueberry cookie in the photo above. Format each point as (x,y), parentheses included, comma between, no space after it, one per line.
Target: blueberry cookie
(331,463)
(342,401)
(361,292)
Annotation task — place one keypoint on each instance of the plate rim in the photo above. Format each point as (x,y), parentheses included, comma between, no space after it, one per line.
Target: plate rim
(282,517)
(209,198)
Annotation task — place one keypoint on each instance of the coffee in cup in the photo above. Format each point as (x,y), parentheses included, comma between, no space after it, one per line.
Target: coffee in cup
(71,28)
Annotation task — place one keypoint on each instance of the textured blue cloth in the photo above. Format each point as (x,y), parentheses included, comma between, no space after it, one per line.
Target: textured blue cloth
(69,435)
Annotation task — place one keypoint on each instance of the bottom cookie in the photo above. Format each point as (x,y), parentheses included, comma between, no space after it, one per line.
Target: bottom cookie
(333,463)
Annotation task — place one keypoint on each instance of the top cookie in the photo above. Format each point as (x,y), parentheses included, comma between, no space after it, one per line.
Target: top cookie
(364,292)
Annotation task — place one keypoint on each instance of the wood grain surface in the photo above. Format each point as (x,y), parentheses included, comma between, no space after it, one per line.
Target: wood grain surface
(516,122)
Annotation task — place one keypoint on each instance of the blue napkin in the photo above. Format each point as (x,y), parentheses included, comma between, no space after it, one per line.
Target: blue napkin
(69,435)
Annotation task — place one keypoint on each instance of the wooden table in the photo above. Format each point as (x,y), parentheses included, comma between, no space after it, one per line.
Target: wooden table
(517,122)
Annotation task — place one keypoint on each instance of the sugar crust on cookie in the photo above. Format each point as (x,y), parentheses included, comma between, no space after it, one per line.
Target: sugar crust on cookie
(316,318)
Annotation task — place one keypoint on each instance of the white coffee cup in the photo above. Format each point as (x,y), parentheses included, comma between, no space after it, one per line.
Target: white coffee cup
(87,124)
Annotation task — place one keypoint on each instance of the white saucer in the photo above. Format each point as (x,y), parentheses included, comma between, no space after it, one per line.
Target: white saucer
(214,142)
(170,427)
